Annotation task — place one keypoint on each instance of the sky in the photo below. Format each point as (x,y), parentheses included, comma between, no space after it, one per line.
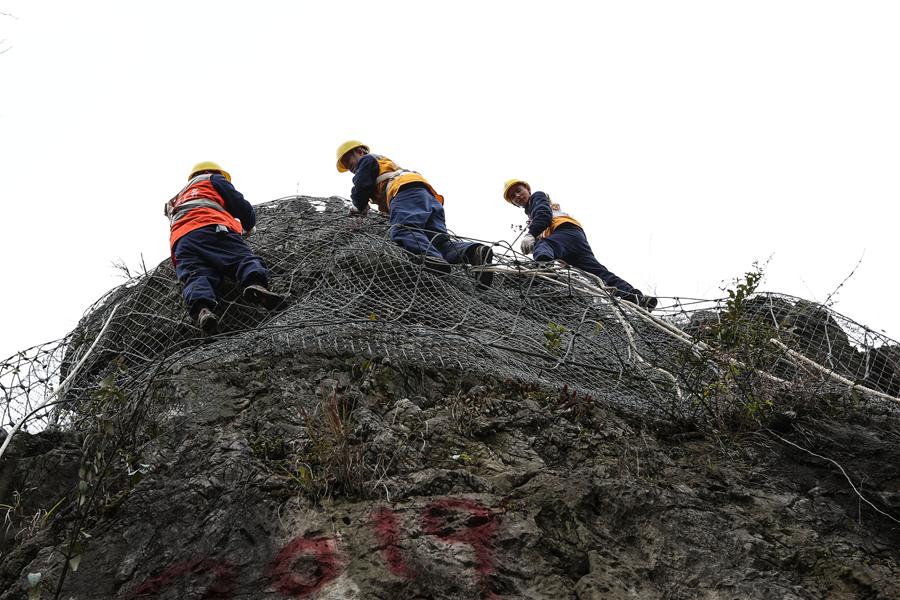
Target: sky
(690,138)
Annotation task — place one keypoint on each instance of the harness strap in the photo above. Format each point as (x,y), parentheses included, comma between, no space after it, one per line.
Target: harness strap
(391,175)
(183,208)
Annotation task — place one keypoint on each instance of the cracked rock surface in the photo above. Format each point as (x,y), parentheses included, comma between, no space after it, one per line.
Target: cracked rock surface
(305,475)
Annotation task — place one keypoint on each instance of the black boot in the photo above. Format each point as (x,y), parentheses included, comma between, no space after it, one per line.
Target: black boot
(632,297)
(260,295)
(207,321)
(648,303)
(480,255)
(436,266)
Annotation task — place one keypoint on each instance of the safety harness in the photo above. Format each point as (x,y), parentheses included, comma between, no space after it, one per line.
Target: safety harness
(177,212)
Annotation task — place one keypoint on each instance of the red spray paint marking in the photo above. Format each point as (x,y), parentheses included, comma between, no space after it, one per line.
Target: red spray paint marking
(385,524)
(304,566)
(220,588)
(478,530)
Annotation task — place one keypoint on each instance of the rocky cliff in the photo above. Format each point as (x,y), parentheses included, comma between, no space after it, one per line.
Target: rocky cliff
(393,434)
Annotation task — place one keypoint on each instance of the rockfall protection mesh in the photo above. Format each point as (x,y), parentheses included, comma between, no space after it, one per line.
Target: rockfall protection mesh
(351,291)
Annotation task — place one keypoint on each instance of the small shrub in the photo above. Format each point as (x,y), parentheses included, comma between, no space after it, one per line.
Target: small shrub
(553,338)
(333,463)
(739,356)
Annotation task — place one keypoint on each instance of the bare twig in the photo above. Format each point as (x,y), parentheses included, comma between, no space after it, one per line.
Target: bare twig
(827,301)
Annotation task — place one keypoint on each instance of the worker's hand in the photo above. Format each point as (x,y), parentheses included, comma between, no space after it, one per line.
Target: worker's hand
(355,212)
(527,244)
(247,234)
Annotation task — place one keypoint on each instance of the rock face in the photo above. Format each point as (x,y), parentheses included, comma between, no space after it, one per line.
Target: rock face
(445,485)
(288,458)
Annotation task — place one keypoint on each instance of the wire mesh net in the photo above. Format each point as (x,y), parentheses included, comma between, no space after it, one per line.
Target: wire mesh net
(351,291)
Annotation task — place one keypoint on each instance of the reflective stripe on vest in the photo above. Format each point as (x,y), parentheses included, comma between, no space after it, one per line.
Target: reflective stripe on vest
(184,207)
(197,205)
(181,198)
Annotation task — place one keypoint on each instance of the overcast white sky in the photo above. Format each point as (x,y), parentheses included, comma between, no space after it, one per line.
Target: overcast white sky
(689,137)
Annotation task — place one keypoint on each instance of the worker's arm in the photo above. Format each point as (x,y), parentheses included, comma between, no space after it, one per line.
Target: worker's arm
(364,182)
(540,215)
(234,201)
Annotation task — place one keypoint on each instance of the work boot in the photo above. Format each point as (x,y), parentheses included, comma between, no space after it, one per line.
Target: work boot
(436,266)
(631,297)
(260,295)
(479,255)
(648,303)
(207,321)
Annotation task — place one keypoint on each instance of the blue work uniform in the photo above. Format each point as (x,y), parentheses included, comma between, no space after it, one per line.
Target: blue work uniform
(563,239)
(211,252)
(415,213)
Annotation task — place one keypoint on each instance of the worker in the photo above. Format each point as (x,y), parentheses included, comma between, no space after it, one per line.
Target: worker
(553,234)
(415,210)
(209,220)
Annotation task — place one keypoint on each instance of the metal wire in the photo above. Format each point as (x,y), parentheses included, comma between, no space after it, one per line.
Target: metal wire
(352,292)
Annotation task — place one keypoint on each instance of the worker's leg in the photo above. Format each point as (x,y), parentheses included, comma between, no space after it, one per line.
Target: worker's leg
(248,269)
(410,215)
(547,249)
(198,275)
(577,252)
(456,251)
(241,264)
(453,250)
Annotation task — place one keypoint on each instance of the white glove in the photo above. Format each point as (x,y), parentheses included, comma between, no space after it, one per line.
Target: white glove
(527,244)
(247,234)
(355,212)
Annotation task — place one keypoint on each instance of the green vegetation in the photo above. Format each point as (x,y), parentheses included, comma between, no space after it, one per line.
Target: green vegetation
(553,338)
(740,393)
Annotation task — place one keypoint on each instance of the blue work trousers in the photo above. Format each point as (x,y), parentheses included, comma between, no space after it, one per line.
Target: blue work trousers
(203,257)
(568,243)
(417,224)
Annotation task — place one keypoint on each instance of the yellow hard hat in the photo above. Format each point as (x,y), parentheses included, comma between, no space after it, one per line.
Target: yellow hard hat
(208,165)
(344,149)
(511,182)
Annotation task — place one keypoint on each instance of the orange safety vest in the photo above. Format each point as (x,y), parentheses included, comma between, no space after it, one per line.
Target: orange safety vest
(197,205)
(559,217)
(391,177)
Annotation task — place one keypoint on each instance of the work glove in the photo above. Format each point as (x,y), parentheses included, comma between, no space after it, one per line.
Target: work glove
(355,212)
(247,234)
(527,244)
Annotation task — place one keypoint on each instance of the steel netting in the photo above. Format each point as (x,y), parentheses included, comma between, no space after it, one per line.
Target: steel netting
(351,291)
